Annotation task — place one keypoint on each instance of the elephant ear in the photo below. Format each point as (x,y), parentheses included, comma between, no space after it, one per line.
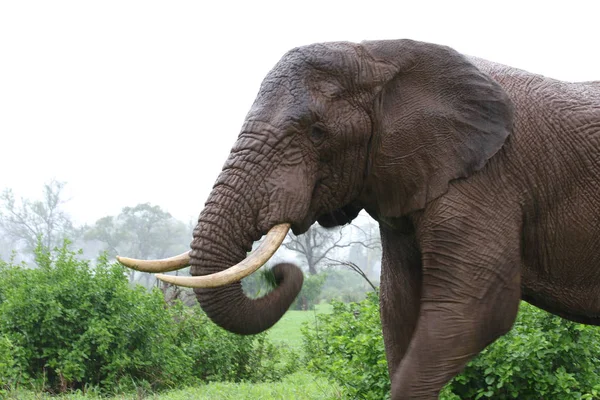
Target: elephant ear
(437,118)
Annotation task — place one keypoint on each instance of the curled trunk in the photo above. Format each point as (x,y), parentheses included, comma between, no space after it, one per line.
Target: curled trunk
(223,238)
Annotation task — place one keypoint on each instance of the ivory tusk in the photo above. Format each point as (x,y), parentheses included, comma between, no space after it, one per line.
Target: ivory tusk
(254,261)
(164,265)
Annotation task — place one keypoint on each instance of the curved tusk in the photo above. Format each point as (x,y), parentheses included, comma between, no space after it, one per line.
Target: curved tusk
(254,261)
(164,265)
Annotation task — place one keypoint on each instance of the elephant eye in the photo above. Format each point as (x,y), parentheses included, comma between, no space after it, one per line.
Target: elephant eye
(317,134)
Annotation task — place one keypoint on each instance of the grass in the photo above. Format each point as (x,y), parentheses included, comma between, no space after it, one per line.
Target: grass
(301,385)
(287,330)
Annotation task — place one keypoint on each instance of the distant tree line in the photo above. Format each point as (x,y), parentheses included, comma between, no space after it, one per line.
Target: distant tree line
(147,231)
(142,231)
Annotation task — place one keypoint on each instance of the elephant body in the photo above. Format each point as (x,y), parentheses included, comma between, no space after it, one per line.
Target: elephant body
(525,226)
(556,139)
(485,181)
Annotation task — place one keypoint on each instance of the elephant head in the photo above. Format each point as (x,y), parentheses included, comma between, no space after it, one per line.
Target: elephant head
(336,128)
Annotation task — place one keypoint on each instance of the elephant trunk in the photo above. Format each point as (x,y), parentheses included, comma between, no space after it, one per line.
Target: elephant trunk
(223,237)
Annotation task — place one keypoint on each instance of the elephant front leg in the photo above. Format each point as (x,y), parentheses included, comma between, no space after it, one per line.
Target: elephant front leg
(470,297)
(400,292)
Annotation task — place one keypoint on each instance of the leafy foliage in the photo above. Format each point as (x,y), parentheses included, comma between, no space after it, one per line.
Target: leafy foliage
(333,284)
(8,370)
(543,357)
(309,294)
(347,347)
(70,326)
(259,284)
(219,355)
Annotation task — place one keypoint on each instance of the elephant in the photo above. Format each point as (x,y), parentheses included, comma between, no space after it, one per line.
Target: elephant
(484,179)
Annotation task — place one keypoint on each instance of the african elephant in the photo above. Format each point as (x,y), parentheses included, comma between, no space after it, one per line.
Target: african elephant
(485,181)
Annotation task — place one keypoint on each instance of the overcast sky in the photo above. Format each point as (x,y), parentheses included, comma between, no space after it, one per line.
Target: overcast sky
(140,101)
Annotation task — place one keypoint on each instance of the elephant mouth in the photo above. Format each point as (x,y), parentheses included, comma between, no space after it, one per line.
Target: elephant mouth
(338,217)
(341,216)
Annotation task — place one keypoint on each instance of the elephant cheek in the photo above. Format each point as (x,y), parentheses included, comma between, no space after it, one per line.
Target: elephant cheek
(289,190)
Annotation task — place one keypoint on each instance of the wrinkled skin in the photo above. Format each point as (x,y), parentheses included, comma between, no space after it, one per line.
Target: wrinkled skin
(484,180)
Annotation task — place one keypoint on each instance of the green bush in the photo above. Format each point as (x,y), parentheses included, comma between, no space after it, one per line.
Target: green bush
(542,357)
(8,368)
(309,294)
(219,355)
(259,284)
(347,346)
(74,326)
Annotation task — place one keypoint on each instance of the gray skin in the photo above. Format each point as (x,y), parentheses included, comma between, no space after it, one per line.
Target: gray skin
(485,181)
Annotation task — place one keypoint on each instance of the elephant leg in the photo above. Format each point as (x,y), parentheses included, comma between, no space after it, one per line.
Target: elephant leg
(470,297)
(400,292)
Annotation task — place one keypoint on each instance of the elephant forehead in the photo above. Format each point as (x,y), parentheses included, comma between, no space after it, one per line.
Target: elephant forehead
(281,102)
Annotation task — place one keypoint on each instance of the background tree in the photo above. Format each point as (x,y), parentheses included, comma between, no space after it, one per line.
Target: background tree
(144,231)
(366,257)
(107,231)
(26,221)
(152,232)
(7,246)
(319,246)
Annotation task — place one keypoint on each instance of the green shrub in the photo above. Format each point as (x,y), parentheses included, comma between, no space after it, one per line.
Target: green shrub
(543,357)
(219,355)
(74,326)
(259,284)
(309,294)
(347,347)
(8,368)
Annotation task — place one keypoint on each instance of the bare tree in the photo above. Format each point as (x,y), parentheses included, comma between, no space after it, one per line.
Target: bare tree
(366,257)
(353,267)
(318,244)
(28,221)
(143,231)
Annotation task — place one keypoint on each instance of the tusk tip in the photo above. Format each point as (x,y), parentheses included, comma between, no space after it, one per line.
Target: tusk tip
(126,262)
(164,278)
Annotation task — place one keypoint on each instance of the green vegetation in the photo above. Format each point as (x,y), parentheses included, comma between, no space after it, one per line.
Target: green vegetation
(346,346)
(288,331)
(542,357)
(66,325)
(300,386)
(309,294)
(78,329)
(337,283)
(297,386)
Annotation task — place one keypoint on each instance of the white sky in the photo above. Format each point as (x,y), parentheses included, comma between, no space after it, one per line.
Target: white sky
(140,101)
